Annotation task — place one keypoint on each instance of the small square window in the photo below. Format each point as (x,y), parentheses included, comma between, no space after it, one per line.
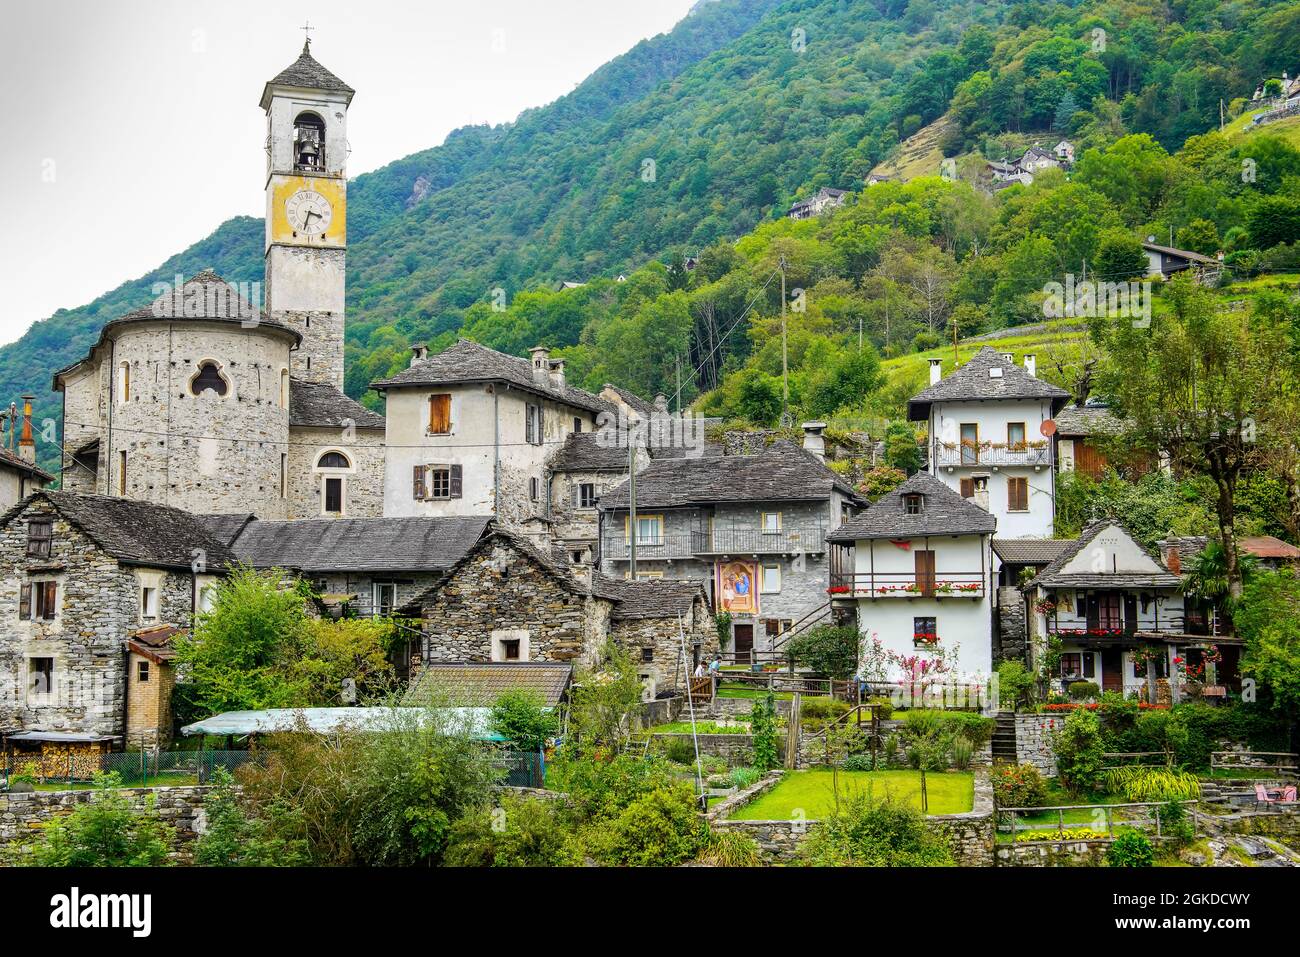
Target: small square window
(587,495)
(912,504)
(771,579)
(40,533)
(510,649)
(142,671)
(647,655)
(925,630)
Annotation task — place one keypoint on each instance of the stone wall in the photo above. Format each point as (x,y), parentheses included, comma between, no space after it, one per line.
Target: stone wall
(661,640)
(1089,853)
(1011,638)
(736,749)
(1034,740)
(22,814)
(660,711)
(363,482)
(500,588)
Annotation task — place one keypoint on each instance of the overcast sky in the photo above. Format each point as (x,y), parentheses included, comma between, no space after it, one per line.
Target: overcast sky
(131,127)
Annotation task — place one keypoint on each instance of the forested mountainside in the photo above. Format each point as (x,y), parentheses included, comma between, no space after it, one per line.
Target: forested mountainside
(703,136)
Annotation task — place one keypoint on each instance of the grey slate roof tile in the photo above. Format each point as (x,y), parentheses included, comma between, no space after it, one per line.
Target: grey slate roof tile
(1087,420)
(1030,551)
(306,72)
(583,452)
(359,544)
(973,382)
(467,361)
(1053,577)
(943,512)
(319,404)
(468,684)
(136,533)
(11,460)
(649,598)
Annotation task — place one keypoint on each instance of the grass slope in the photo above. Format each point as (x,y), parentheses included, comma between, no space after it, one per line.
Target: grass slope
(810,793)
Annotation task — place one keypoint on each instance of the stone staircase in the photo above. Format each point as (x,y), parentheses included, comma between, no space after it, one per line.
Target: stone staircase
(1004,737)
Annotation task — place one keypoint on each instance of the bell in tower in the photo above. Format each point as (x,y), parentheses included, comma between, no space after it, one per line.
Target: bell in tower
(308,142)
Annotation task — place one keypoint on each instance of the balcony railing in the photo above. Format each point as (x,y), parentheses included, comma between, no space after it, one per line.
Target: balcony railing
(907,585)
(752,541)
(617,547)
(992,453)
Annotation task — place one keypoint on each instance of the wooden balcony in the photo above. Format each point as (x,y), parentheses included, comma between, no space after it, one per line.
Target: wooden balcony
(942,585)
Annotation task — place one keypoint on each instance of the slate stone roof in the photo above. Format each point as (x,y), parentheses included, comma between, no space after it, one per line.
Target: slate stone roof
(468,684)
(943,512)
(582,452)
(634,401)
(773,476)
(359,544)
(1030,551)
(136,533)
(649,598)
(203,297)
(306,73)
(11,460)
(972,383)
(1086,420)
(1266,547)
(1053,577)
(467,361)
(320,404)
(226,528)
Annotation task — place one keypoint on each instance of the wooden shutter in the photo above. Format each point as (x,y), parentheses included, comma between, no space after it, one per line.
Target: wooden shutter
(417,484)
(25,603)
(575,495)
(967,488)
(925,571)
(455,481)
(51,599)
(1017,494)
(440,413)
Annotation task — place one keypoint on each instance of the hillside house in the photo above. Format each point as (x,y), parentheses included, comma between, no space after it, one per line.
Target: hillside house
(824,199)
(986,439)
(1079,432)
(581,472)
(919,566)
(1166,261)
(752,528)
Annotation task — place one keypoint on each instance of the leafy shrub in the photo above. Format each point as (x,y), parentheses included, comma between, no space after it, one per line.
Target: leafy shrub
(1018,785)
(1055,834)
(744,777)
(762,720)
(1078,749)
(1015,685)
(237,838)
(659,829)
(522,832)
(107,831)
(730,849)
(601,789)
(1084,690)
(1148,784)
(863,833)
(858,762)
(883,707)
(1131,849)
(679,750)
(1176,824)
(830,650)
(946,725)
(522,718)
(816,713)
(961,750)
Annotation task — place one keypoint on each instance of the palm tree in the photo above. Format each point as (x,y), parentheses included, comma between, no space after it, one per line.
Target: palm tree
(1207,578)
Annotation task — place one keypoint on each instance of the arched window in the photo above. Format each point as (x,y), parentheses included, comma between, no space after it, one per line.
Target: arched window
(208,377)
(309,142)
(333,460)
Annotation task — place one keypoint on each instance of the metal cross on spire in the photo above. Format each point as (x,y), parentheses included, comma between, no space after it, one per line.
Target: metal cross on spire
(307,28)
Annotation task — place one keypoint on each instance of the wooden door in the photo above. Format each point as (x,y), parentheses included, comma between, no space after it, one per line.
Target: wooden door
(743,643)
(925,572)
(1130,614)
(1112,670)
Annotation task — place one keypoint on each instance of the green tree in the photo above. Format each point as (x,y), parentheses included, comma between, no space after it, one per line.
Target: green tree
(762,726)
(1200,236)
(603,703)
(901,449)
(829,650)
(236,838)
(1268,617)
(1274,220)
(106,831)
(521,717)
(1078,748)
(1119,257)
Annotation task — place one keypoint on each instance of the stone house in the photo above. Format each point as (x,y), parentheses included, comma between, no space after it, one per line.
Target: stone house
(581,472)
(918,564)
(751,528)
(825,198)
(470,431)
(508,601)
(80,576)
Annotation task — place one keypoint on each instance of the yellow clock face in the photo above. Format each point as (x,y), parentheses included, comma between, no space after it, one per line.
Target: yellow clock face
(308,212)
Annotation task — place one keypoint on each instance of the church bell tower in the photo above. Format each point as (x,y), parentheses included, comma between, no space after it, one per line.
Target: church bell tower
(306,212)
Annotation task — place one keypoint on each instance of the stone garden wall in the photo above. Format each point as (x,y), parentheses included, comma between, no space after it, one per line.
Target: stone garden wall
(736,749)
(23,813)
(1089,853)
(1034,740)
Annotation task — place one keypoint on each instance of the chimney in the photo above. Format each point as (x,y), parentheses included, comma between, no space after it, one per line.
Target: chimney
(1031,364)
(26,444)
(557,373)
(419,352)
(541,364)
(813,440)
(936,370)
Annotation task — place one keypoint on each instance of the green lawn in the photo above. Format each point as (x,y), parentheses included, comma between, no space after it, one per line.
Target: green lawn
(743,692)
(701,727)
(951,792)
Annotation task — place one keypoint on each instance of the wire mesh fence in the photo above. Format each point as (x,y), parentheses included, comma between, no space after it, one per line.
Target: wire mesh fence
(132,768)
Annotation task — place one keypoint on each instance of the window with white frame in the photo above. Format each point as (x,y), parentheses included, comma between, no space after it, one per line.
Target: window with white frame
(771,579)
(148,604)
(649,530)
(771,523)
(584,495)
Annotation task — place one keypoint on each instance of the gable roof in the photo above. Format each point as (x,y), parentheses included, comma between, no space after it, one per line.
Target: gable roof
(1087,420)
(306,73)
(135,533)
(320,404)
(204,297)
(11,460)
(469,684)
(650,597)
(972,382)
(633,401)
(466,361)
(943,512)
(1180,253)
(778,474)
(1055,575)
(359,544)
(583,452)
(1030,551)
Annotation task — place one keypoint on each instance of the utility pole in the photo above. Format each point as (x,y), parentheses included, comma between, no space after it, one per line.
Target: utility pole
(956,360)
(677,361)
(631,492)
(785,369)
